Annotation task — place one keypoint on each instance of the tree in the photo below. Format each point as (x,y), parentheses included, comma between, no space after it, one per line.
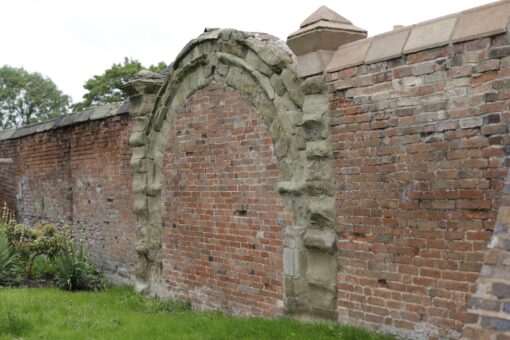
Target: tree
(27,98)
(104,89)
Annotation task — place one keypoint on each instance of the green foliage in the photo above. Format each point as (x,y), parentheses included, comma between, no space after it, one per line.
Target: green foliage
(14,324)
(8,260)
(43,268)
(32,242)
(6,215)
(104,89)
(119,313)
(27,98)
(72,269)
(152,305)
(44,252)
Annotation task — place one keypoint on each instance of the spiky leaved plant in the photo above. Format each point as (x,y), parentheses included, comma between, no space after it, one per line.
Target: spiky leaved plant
(8,260)
(73,271)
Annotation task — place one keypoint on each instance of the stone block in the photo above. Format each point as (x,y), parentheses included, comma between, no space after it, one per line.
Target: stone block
(322,211)
(323,35)
(322,240)
(501,290)
(318,149)
(293,237)
(313,63)
(290,262)
(292,84)
(323,296)
(387,46)
(315,103)
(485,304)
(482,22)
(349,55)
(6,134)
(138,139)
(430,34)
(321,268)
(314,85)
(314,127)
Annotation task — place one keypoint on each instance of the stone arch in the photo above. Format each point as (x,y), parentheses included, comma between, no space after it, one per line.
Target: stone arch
(262,70)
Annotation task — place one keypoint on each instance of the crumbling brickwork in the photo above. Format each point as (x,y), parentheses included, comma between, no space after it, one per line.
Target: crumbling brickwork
(419,146)
(78,175)
(223,217)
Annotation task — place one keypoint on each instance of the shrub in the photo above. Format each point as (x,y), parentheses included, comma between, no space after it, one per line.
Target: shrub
(44,252)
(43,268)
(6,215)
(32,242)
(73,271)
(8,260)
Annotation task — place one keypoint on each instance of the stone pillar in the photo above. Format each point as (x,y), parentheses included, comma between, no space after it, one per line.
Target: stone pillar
(318,38)
(142,91)
(311,249)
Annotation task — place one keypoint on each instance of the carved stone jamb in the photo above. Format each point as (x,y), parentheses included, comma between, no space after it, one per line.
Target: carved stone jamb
(142,92)
(263,70)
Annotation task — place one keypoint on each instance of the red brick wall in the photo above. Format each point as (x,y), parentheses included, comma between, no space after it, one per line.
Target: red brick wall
(79,175)
(44,177)
(8,181)
(419,145)
(223,224)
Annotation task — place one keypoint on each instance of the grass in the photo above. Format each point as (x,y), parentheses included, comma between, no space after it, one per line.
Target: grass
(119,313)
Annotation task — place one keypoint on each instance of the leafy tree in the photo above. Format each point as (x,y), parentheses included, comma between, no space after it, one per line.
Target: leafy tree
(103,89)
(27,98)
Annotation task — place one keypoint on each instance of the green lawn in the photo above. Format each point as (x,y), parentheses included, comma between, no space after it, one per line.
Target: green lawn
(121,314)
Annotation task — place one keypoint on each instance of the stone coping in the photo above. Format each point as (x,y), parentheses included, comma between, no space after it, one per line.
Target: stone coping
(479,22)
(95,113)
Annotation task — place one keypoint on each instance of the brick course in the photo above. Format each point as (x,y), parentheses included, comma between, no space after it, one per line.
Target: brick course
(224,220)
(78,175)
(420,157)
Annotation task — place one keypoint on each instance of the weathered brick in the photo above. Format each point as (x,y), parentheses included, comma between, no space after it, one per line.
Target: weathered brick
(221,195)
(495,323)
(501,290)
(452,126)
(79,175)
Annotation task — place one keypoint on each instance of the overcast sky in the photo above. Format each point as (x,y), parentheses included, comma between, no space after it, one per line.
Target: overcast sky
(72,40)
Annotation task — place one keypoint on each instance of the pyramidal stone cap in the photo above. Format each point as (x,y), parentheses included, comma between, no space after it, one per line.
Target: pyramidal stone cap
(323,30)
(326,14)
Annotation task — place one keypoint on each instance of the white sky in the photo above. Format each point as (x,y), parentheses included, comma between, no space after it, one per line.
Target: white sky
(72,40)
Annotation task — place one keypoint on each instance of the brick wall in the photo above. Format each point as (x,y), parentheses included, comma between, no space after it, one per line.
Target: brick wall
(420,148)
(488,316)
(419,143)
(7,175)
(44,177)
(223,222)
(79,175)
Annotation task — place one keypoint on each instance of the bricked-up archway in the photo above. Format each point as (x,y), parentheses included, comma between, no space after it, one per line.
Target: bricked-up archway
(223,217)
(262,70)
